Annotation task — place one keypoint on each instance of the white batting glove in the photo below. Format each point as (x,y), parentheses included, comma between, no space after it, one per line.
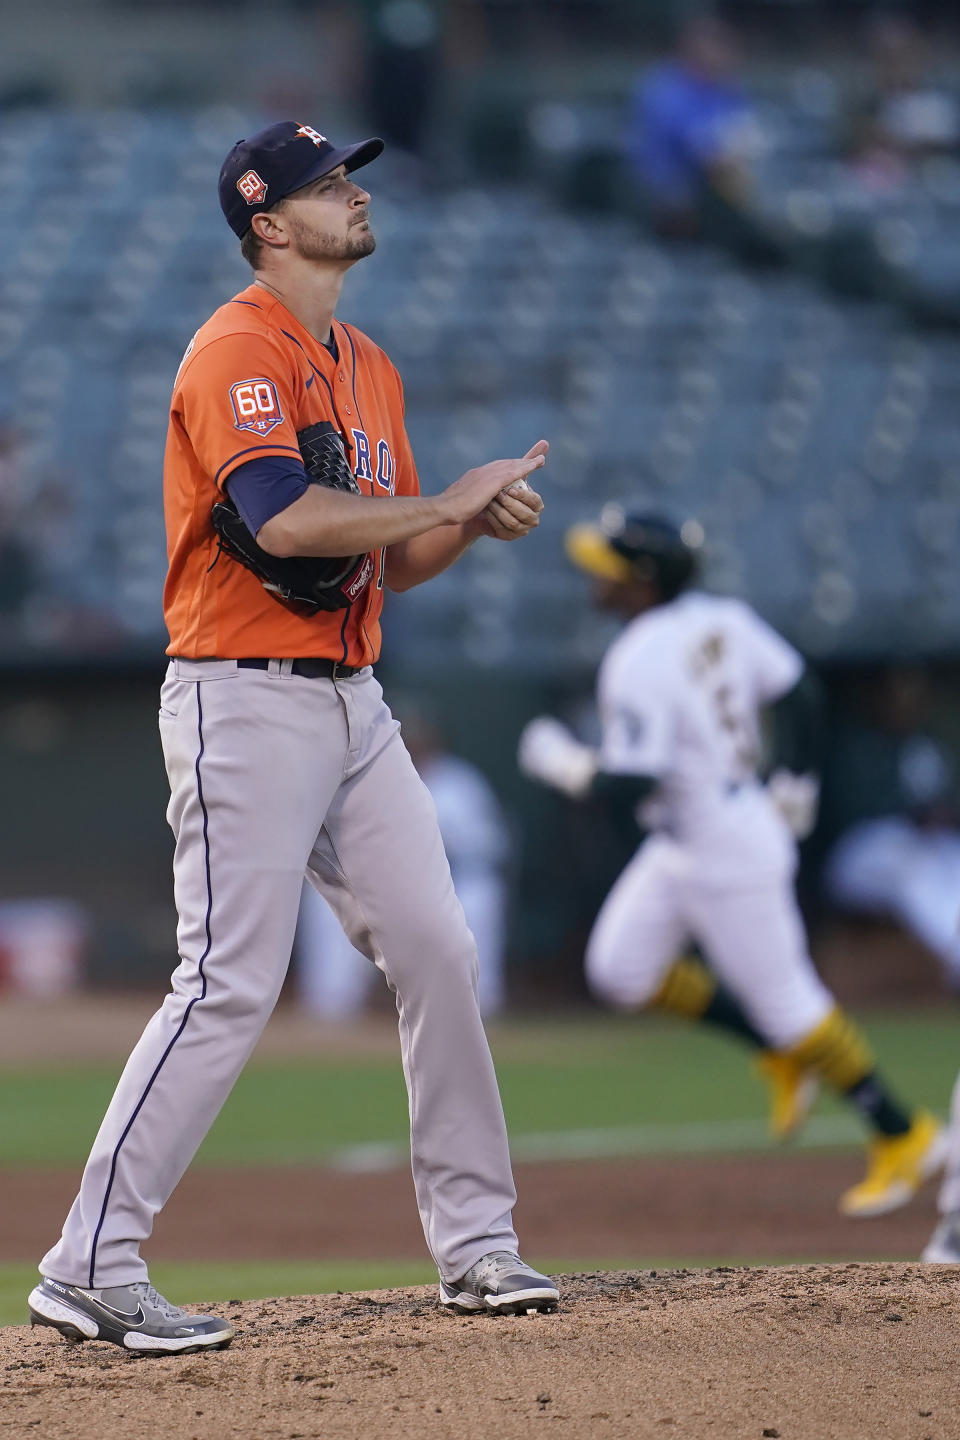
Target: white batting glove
(548,752)
(797,797)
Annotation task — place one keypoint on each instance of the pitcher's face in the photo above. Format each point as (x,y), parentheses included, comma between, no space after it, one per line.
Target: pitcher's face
(329,219)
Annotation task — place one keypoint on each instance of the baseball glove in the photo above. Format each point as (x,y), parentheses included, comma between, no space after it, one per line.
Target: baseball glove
(305,583)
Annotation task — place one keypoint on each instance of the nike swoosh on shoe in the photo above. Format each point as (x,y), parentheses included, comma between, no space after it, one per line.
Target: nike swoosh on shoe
(133,1318)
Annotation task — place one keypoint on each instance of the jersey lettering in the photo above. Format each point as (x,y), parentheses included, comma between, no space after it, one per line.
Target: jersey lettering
(362,469)
(708,666)
(256,405)
(386,467)
(708,652)
(739,726)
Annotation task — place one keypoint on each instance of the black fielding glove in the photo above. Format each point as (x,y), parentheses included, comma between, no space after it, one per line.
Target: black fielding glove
(306,583)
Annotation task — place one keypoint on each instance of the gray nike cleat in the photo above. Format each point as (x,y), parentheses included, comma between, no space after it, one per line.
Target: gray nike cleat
(502,1283)
(943,1247)
(134,1316)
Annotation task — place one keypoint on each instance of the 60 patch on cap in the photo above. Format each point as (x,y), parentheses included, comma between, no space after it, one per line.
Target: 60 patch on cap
(252,188)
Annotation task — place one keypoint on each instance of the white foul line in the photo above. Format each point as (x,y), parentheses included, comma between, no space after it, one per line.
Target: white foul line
(697,1137)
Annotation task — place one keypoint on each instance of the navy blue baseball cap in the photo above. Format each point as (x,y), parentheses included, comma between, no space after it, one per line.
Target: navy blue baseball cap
(278,160)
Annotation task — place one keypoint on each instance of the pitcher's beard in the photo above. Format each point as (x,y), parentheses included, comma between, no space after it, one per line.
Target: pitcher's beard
(314,245)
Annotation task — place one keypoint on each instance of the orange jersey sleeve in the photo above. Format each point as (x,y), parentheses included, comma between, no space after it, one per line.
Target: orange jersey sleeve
(253,378)
(236,399)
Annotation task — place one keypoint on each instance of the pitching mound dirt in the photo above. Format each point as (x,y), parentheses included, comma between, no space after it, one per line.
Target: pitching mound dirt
(806,1353)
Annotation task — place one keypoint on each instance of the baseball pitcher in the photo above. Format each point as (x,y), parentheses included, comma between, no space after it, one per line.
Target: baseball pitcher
(291,502)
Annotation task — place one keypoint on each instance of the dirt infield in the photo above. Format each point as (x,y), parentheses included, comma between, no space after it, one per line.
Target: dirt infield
(752,1208)
(848,1352)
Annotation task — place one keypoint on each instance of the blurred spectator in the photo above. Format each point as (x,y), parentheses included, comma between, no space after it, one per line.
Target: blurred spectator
(904,116)
(333,978)
(17,568)
(892,791)
(403,67)
(38,541)
(395,50)
(43,946)
(693,135)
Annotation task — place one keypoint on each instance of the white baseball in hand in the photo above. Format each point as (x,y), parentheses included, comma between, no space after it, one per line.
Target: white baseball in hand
(515,488)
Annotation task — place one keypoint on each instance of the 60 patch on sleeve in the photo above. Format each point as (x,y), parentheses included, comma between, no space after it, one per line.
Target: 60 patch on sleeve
(256,405)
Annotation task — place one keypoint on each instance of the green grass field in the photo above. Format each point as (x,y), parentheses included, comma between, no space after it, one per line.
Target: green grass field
(571,1087)
(566,1076)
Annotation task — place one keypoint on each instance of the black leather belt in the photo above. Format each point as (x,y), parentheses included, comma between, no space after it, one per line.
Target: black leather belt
(310,669)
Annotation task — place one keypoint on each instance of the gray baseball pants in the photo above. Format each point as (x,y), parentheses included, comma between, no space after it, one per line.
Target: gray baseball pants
(271,775)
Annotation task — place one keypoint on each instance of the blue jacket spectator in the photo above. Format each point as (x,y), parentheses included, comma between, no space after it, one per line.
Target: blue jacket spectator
(692,129)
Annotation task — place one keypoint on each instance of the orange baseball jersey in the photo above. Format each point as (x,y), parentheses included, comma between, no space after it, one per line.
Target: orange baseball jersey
(251,379)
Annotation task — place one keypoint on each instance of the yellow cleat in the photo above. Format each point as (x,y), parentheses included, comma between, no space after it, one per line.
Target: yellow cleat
(897,1166)
(792,1092)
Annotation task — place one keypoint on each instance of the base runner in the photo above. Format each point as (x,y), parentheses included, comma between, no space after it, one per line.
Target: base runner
(680,692)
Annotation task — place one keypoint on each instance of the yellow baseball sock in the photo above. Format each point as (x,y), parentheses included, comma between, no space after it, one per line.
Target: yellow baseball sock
(689,989)
(836,1050)
(686,989)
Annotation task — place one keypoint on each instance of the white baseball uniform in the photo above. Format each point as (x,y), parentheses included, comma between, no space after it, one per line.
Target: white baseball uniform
(680,691)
